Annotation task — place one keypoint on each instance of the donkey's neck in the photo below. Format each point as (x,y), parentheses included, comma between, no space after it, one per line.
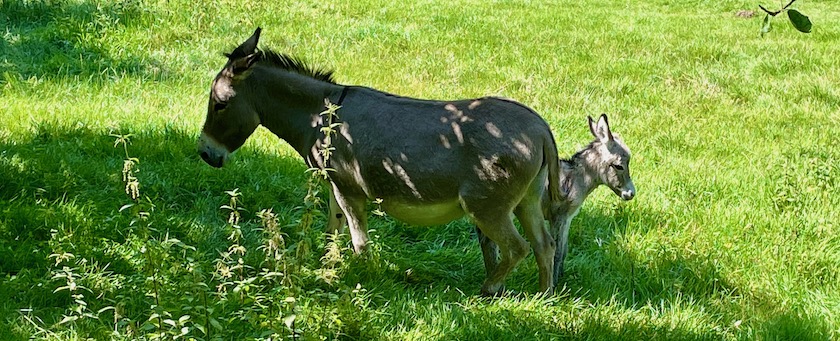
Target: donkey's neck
(289,105)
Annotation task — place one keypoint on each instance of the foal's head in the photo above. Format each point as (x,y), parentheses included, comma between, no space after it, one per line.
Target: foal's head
(610,159)
(230,118)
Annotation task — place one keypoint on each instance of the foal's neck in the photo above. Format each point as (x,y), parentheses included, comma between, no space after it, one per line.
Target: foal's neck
(579,175)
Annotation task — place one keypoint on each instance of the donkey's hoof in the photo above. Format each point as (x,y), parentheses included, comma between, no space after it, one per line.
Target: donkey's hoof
(501,292)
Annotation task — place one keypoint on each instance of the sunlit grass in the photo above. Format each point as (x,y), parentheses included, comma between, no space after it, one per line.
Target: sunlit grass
(733,234)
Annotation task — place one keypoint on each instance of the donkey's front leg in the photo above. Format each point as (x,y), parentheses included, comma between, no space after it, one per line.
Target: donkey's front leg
(354,209)
(335,217)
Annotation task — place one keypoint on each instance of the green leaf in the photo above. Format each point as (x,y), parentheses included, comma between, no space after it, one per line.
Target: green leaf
(215,324)
(201,329)
(765,25)
(800,21)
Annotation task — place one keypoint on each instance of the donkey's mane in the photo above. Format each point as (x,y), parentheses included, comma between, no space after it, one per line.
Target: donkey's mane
(293,64)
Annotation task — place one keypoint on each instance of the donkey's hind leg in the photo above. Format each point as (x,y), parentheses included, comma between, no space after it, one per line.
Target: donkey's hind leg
(530,216)
(497,225)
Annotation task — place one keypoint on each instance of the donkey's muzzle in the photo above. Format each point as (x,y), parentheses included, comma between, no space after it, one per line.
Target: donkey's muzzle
(213,160)
(628,195)
(211,152)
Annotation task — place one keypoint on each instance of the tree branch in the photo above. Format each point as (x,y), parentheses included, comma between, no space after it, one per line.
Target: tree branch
(788,5)
(774,13)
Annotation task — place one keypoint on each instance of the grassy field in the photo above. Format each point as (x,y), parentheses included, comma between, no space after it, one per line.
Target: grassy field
(733,235)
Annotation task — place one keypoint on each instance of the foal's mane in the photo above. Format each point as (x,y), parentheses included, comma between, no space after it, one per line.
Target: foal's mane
(579,153)
(293,64)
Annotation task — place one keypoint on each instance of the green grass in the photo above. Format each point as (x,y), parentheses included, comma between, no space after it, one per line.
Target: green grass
(733,234)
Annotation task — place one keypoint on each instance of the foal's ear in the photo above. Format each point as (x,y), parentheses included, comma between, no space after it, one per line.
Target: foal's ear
(601,130)
(247,48)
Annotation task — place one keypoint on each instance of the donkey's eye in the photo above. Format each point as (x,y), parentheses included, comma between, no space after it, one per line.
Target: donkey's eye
(618,167)
(219,106)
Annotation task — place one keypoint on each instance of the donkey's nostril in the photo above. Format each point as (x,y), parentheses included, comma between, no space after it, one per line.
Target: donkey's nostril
(205,156)
(627,195)
(215,162)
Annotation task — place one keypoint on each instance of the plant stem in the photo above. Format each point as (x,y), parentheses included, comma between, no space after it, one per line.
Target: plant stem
(153,269)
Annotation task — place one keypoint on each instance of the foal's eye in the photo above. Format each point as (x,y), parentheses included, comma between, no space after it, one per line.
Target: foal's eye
(618,167)
(219,106)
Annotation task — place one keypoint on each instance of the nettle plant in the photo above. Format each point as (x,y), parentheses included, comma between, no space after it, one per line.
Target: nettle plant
(800,21)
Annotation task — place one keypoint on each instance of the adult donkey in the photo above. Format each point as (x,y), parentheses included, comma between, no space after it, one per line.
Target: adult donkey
(429,161)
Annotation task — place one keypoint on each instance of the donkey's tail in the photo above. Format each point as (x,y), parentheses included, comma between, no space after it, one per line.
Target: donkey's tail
(550,156)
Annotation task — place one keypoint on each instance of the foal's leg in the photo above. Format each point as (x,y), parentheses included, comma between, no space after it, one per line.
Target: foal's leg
(531,217)
(354,207)
(560,229)
(489,251)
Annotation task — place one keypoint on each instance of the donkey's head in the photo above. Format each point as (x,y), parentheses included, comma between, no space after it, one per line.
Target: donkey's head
(230,118)
(611,159)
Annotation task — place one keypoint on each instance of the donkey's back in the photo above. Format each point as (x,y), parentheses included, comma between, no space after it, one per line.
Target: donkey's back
(425,152)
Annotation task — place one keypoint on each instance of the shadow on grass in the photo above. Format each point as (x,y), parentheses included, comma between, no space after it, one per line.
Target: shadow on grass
(69,179)
(626,293)
(449,255)
(57,39)
(512,324)
(637,276)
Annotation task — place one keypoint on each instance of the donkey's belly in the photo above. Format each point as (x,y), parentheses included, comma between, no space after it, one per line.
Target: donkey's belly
(424,214)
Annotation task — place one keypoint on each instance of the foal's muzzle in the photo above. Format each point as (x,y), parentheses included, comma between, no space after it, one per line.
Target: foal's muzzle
(628,192)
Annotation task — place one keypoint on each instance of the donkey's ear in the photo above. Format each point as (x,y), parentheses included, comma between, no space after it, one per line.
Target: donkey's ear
(601,130)
(247,48)
(240,65)
(241,59)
